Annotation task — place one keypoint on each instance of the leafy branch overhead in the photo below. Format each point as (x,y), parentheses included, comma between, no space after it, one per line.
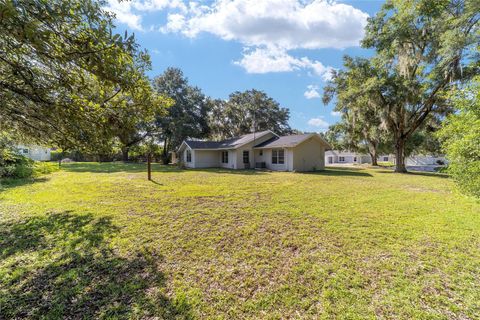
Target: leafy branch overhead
(62,71)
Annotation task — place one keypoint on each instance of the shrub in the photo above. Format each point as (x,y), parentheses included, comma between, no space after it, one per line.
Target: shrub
(460,136)
(16,166)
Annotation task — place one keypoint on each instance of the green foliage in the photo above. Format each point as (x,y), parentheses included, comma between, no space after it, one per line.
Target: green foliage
(460,136)
(188,115)
(43,168)
(246,111)
(362,127)
(61,66)
(422,48)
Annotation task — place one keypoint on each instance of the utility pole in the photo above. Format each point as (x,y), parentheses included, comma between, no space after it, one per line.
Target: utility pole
(253,148)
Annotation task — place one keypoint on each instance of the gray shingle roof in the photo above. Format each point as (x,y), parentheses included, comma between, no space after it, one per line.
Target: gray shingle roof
(285,141)
(225,144)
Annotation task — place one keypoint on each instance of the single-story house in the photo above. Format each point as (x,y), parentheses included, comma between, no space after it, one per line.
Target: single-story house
(350,157)
(37,153)
(347,157)
(265,149)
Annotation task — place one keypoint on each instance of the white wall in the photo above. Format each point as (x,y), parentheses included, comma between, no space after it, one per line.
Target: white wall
(267,158)
(207,158)
(423,160)
(349,157)
(232,161)
(184,158)
(36,153)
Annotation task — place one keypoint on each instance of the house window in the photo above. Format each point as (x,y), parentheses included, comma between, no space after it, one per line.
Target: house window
(385,158)
(278,156)
(261,153)
(246,157)
(25,151)
(341,159)
(224,156)
(354,159)
(189,156)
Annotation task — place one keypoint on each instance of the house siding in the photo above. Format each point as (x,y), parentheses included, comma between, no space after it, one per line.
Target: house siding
(36,153)
(309,155)
(253,155)
(207,158)
(184,158)
(232,161)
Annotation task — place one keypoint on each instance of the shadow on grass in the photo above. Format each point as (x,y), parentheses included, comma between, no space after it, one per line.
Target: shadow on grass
(418,173)
(60,266)
(113,167)
(248,172)
(13,183)
(339,172)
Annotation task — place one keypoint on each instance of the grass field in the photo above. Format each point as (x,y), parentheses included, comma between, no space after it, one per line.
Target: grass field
(99,241)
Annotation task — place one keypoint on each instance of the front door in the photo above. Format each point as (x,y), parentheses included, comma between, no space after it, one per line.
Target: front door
(330,159)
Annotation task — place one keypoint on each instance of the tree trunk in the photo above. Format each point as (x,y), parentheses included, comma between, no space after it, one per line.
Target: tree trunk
(373,153)
(165,151)
(400,156)
(125,151)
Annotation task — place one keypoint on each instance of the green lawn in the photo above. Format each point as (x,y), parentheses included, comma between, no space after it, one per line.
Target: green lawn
(99,241)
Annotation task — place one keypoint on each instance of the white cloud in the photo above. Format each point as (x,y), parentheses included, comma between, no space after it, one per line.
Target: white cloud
(271,59)
(318,122)
(268,29)
(157,5)
(175,22)
(130,12)
(288,24)
(123,13)
(336,113)
(312,92)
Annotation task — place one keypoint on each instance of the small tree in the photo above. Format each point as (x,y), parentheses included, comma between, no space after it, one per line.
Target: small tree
(460,136)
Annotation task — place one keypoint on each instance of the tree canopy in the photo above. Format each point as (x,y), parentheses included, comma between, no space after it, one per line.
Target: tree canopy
(188,115)
(246,111)
(422,49)
(61,67)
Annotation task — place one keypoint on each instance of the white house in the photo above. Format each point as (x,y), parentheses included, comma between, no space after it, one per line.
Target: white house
(347,157)
(302,152)
(36,153)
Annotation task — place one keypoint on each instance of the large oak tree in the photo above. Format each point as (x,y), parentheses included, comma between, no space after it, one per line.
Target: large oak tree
(423,48)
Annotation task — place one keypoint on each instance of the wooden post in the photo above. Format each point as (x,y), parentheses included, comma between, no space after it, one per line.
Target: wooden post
(149,166)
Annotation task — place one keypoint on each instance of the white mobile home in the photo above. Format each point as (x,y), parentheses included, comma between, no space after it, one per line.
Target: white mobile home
(36,153)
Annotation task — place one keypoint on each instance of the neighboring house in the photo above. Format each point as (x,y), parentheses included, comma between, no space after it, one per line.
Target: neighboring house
(36,153)
(350,157)
(347,157)
(425,160)
(303,152)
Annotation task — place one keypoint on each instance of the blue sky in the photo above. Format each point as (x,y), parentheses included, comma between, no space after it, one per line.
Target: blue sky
(283,47)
